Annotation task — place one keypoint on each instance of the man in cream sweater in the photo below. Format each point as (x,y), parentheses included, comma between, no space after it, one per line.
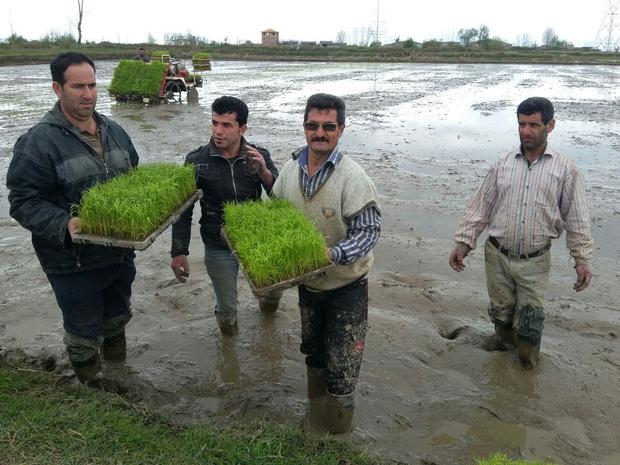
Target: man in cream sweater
(334,192)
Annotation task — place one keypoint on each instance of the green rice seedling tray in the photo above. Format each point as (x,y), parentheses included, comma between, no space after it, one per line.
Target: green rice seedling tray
(280,286)
(137,245)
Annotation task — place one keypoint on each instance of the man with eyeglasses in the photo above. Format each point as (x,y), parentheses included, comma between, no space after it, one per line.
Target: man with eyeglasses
(334,192)
(229,169)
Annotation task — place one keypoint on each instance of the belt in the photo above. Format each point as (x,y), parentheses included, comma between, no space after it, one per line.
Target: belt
(522,256)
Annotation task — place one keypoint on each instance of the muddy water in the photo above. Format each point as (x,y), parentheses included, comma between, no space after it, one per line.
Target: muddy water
(428,393)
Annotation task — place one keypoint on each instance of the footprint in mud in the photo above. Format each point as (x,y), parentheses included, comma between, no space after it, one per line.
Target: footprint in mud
(465,334)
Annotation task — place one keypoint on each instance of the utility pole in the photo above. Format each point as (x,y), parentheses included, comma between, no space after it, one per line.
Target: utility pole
(377,28)
(608,37)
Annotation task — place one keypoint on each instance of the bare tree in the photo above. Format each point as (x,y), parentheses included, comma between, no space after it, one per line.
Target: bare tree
(524,40)
(549,38)
(79,23)
(341,37)
(483,33)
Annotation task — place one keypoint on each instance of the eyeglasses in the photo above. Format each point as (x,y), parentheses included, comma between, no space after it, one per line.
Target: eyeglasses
(327,127)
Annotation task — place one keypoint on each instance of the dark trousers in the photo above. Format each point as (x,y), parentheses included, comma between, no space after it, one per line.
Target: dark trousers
(333,332)
(95,303)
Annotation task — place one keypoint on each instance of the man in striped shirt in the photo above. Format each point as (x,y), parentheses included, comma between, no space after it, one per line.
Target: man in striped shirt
(527,199)
(334,192)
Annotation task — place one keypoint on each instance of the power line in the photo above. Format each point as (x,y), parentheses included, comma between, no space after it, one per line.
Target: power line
(608,37)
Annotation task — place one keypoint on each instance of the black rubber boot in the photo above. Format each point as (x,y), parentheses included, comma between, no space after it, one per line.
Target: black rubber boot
(87,370)
(528,353)
(506,337)
(317,391)
(339,413)
(269,303)
(114,348)
(228,328)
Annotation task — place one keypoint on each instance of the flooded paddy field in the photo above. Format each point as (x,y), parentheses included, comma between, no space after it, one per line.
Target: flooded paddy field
(428,392)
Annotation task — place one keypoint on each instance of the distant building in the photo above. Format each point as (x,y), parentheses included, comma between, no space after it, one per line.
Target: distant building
(328,43)
(270,38)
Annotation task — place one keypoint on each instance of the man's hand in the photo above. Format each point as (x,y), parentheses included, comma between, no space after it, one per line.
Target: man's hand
(456,260)
(180,267)
(74,225)
(584,276)
(255,159)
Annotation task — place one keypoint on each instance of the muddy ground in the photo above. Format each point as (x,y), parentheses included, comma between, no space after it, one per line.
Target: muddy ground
(428,392)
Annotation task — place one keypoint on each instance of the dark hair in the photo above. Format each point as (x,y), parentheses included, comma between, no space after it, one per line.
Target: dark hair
(63,61)
(536,105)
(326,102)
(227,104)
(141,48)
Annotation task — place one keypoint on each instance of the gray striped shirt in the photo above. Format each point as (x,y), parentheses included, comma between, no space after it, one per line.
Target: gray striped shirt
(526,205)
(363,230)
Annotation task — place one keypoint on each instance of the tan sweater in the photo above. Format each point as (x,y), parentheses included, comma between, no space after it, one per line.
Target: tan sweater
(345,194)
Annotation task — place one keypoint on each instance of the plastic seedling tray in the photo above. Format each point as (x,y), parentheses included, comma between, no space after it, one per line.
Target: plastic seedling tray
(137,245)
(279,286)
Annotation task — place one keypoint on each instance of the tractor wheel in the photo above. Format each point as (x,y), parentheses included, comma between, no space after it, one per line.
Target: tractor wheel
(192,96)
(173,91)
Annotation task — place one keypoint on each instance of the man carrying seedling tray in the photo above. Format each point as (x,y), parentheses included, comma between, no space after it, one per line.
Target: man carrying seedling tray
(228,169)
(71,149)
(335,192)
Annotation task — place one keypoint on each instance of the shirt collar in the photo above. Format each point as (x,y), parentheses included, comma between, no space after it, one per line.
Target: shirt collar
(334,158)
(548,151)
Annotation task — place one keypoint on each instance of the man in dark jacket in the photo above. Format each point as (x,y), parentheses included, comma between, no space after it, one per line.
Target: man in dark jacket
(69,150)
(229,169)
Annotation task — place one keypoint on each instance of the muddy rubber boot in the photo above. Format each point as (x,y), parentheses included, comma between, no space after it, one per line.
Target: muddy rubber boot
(87,370)
(528,353)
(269,303)
(114,348)
(506,338)
(227,327)
(339,413)
(317,392)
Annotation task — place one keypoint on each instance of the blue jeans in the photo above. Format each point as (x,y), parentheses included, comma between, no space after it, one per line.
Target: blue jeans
(95,304)
(222,268)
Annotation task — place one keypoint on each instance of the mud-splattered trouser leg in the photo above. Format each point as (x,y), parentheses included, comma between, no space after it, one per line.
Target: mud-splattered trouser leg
(333,332)
(516,290)
(222,268)
(95,305)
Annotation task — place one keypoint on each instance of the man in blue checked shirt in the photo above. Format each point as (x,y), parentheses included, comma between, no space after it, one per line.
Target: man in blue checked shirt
(334,192)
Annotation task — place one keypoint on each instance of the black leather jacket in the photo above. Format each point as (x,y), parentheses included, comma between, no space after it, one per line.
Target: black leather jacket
(52,165)
(221,181)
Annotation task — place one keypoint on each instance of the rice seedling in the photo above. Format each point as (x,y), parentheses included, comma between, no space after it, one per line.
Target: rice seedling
(503,459)
(202,61)
(134,77)
(133,205)
(274,241)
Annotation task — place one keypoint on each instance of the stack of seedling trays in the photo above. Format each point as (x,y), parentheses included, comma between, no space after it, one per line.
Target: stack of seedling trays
(131,210)
(134,80)
(201,61)
(275,244)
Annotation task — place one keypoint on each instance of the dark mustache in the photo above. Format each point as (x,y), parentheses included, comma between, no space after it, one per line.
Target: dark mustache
(320,139)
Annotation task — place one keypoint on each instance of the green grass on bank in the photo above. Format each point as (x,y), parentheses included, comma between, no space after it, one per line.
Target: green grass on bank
(44,423)
(502,459)
(388,54)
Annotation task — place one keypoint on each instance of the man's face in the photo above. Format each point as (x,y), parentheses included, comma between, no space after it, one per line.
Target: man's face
(78,95)
(320,141)
(532,132)
(226,131)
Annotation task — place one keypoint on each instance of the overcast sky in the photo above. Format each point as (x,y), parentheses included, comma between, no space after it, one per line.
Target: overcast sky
(240,20)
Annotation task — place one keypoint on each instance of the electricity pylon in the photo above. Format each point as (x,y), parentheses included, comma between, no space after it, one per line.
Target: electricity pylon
(608,37)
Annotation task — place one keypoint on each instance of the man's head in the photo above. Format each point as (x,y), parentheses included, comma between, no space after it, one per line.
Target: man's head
(75,85)
(535,116)
(229,117)
(141,51)
(324,122)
